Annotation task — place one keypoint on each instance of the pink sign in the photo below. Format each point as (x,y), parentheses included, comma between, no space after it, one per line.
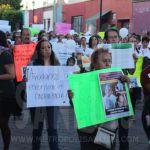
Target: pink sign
(63,28)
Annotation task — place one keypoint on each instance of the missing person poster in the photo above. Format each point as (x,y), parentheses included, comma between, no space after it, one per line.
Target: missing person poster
(99,97)
(114,94)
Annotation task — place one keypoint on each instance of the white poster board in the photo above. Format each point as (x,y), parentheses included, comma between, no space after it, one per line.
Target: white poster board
(39,26)
(62,52)
(5,28)
(122,55)
(4,22)
(47,86)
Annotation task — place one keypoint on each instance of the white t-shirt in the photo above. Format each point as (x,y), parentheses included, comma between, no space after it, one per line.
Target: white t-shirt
(110,101)
(146,52)
(87,51)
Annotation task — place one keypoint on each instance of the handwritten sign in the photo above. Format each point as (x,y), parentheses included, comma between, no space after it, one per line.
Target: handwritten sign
(22,56)
(47,85)
(63,28)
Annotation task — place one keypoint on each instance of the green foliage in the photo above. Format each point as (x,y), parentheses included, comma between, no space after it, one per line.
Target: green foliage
(13,3)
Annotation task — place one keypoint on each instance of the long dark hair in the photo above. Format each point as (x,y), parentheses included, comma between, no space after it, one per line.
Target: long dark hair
(3,39)
(91,39)
(39,61)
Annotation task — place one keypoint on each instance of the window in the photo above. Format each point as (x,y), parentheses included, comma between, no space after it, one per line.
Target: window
(44,24)
(48,24)
(77,23)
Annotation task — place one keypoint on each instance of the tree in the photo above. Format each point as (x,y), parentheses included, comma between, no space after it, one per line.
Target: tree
(13,3)
(7,12)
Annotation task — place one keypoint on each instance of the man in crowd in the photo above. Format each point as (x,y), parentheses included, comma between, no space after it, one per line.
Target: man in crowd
(25,36)
(112,36)
(145,81)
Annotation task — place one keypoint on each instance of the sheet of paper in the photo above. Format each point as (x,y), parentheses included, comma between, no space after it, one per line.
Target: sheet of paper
(47,86)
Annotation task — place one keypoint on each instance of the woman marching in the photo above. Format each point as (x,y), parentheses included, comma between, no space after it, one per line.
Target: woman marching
(45,57)
(100,59)
(7,89)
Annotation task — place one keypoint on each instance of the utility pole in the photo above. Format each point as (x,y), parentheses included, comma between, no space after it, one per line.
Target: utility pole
(33,4)
(59,11)
(100,14)
(54,14)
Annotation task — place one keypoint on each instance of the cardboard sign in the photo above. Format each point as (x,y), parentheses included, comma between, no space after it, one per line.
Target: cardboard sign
(22,56)
(63,28)
(88,99)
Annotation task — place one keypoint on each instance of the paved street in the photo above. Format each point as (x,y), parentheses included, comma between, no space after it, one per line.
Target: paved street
(21,132)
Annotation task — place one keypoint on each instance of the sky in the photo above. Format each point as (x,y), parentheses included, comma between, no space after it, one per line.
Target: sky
(38,3)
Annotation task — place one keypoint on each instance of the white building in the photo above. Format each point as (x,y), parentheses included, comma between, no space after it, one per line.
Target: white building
(51,13)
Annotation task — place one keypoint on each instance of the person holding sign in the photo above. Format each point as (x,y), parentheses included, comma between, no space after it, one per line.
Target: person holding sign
(45,57)
(100,59)
(145,81)
(25,36)
(7,90)
(112,36)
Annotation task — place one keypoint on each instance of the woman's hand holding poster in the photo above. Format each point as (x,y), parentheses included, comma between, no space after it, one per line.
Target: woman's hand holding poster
(99,97)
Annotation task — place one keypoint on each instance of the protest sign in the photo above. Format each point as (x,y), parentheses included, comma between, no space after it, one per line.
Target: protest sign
(114,94)
(101,35)
(5,28)
(122,55)
(34,30)
(4,22)
(137,72)
(63,28)
(62,52)
(47,86)
(88,102)
(22,56)
(70,45)
(86,61)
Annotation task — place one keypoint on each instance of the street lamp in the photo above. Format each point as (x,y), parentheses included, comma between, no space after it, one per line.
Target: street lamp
(33,4)
(100,14)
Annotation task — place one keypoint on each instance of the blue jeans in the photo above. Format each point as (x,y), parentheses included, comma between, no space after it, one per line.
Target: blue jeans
(37,117)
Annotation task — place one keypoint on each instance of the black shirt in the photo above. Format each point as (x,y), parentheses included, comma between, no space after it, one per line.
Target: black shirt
(7,87)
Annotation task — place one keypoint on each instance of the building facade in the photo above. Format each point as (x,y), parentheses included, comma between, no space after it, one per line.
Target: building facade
(141,16)
(85,15)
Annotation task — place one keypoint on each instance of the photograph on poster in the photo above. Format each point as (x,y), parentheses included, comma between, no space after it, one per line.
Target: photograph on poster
(114,94)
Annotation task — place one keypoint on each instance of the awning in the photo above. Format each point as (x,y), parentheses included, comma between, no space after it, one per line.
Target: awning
(95,17)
